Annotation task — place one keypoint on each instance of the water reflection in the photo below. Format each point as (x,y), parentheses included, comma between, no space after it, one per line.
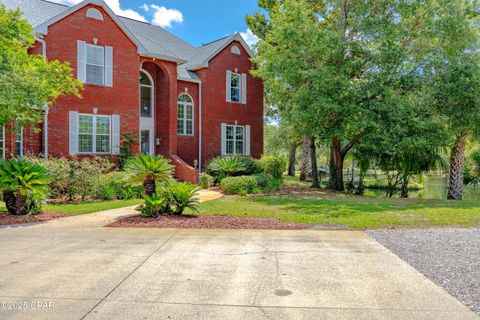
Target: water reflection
(434,188)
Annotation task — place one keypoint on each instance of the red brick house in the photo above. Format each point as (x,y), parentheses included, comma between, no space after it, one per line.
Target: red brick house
(187,103)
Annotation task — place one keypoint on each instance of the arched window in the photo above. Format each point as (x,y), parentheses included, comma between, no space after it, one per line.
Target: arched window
(146,95)
(94,14)
(236,50)
(185,115)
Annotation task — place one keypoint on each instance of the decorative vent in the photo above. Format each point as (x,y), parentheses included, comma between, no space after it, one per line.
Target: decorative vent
(236,50)
(94,14)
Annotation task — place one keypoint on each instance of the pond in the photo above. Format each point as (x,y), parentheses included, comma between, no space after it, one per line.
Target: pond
(434,188)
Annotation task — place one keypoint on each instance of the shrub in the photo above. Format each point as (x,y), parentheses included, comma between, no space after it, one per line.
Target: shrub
(274,166)
(71,177)
(241,185)
(24,185)
(113,186)
(263,179)
(206,180)
(229,166)
(153,207)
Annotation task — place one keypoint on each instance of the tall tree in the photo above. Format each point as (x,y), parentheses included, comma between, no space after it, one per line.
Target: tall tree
(305,160)
(27,82)
(328,64)
(455,78)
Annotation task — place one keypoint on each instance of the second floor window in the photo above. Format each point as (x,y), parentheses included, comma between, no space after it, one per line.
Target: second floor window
(146,96)
(235,87)
(95,64)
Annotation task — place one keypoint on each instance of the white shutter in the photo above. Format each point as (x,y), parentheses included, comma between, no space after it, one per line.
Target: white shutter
(244,88)
(224,139)
(73,132)
(229,86)
(247,140)
(81,61)
(115,134)
(108,66)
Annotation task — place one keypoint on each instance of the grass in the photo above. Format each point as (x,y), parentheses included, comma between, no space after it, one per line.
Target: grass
(325,207)
(74,209)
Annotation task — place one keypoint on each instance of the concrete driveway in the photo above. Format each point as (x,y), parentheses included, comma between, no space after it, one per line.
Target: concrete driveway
(55,272)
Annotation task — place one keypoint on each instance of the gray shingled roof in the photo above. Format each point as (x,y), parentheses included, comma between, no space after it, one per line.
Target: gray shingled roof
(156,40)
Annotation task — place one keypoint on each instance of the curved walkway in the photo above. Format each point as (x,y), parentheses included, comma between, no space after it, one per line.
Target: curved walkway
(102,218)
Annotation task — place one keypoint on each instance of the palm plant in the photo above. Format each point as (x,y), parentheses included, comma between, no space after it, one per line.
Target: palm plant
(227,166)
(23,184)
(182,196)
(154,205)
(147,169)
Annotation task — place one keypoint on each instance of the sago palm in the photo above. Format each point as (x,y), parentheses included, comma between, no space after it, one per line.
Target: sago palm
(183,196)
(147,169)
(229,166)
(22,183)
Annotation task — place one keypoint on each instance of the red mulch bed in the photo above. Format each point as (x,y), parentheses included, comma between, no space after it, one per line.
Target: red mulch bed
(6,219)
(206,222)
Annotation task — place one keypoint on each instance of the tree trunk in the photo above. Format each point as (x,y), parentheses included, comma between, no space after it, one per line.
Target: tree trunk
(9,198)
(149,187)
(292,159)
(404,192)
(313,160)
(305,159)
(457,161)
(338,158)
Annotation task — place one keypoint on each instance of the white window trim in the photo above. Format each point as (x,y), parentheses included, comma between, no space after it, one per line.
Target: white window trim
(94,134)
(2,143)
(152,97)
(234,140)
(19,141)
(185,105)
(96,65)
(239,87)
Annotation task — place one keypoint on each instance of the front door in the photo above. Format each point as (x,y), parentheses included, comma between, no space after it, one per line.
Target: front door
(146,141)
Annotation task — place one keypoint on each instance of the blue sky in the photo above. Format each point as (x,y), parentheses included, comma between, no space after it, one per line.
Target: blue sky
(195,21)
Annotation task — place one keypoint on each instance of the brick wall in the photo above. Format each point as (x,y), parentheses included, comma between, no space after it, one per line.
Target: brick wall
(121,99)
(217,110)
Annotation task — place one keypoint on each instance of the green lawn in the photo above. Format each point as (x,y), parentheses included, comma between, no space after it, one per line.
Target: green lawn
(355,211)
(74,209)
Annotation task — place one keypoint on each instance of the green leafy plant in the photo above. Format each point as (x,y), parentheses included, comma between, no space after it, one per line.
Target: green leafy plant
(274,166)
(147,169)
(241,185)
(206,180)
(472,169)
(24,185)
(128,139)
(230,166)
(153,206)
(182,196)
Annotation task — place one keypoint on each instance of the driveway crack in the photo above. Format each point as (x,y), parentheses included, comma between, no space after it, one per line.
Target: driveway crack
(129,275)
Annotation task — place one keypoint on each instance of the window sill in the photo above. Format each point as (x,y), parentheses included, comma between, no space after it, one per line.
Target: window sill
(93,154)
(185,135)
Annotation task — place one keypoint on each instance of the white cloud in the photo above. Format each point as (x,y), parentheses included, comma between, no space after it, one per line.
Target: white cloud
(164,17)
(249,37)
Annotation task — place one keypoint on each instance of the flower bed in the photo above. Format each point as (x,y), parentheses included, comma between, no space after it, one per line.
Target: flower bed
(206,222)
(7,219)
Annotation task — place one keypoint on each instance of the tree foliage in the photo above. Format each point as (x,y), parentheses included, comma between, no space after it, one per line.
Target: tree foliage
(27,81)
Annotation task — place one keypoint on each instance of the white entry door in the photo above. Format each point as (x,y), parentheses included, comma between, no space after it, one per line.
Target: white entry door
(146,141)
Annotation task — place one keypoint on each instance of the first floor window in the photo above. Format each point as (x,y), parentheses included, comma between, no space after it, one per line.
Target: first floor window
(234,138)
(94,134)
(185,115)
(19,141)
(2,142)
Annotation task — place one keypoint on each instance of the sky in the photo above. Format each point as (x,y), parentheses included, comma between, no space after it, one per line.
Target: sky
(195,21)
